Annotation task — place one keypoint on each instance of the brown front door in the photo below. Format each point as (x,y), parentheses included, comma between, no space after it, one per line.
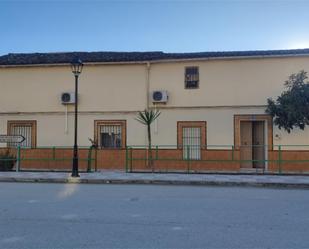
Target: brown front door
(246,144)
(258,152)
(252,146)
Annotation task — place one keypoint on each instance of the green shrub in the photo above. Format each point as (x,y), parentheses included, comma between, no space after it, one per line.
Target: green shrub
(7,160)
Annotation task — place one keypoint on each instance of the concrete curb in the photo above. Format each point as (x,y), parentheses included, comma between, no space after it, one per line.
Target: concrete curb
(156,182)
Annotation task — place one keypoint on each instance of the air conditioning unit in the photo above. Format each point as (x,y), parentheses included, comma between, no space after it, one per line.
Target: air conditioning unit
(159,96)
(68,98)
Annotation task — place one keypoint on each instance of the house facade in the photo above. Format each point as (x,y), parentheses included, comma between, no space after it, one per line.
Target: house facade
(216,103)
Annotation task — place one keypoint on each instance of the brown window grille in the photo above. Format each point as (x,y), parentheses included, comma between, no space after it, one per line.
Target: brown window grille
(191,77)
(25,128)
(110,134)
(191,138)
(191,142)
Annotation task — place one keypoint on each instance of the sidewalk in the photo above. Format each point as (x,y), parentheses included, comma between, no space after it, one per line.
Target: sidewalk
(118,177)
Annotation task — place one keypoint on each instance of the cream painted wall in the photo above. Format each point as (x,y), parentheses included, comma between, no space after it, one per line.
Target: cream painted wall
(101,88)
(123,87)
(226,82)
(51,128)
(220,127)
(219,124)
(296,137)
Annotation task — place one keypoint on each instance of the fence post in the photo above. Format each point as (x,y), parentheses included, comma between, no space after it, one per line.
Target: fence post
(131,158)
(280,160)
(18,159)
(188,158)
(89,159)
(54,153)
(127,158)
(157,153)
(96,159)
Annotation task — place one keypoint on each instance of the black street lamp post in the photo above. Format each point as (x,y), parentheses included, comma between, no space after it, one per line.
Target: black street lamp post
(77,67)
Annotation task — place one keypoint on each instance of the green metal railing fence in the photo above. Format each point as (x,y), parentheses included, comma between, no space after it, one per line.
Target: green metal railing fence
(165,158)
(275,159)
(47,158)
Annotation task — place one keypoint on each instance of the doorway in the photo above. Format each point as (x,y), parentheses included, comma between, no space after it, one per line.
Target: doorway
(252,144)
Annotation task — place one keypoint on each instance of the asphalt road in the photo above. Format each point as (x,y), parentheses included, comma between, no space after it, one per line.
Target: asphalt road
(146,216)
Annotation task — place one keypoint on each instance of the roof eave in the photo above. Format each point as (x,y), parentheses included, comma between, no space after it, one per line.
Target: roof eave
(162,60)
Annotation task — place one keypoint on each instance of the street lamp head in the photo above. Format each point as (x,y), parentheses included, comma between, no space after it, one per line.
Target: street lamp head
(77,66)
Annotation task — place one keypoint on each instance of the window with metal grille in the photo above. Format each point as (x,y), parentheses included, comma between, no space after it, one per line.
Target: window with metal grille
(25,128)
(191,141)
(110,136)
(191,77)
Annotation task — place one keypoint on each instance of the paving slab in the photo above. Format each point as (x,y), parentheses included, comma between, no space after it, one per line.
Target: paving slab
(118,177)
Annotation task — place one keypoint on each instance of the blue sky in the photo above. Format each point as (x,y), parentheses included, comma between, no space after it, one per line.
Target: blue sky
(170,26)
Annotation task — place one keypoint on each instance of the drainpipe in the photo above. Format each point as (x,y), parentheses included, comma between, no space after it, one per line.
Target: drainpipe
(148,96)
(66,120)
(147,84)
(156,121)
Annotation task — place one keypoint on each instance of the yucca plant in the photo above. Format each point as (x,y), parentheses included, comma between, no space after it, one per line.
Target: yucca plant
(147,117)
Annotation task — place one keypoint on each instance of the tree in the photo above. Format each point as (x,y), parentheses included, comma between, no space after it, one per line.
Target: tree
(291,109)
(147,117)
